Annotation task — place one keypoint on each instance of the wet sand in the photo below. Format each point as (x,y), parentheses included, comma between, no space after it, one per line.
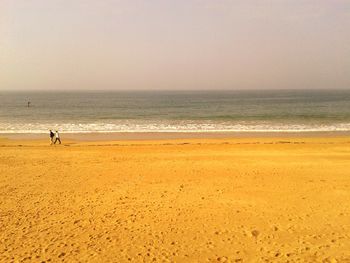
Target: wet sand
(136,136)
(176,200)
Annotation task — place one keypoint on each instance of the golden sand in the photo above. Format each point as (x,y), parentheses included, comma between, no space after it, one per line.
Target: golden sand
(194,200)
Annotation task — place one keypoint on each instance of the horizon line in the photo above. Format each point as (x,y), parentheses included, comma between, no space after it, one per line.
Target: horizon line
(175,90)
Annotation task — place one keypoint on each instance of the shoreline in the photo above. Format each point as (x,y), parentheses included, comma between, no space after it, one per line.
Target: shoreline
(146,136)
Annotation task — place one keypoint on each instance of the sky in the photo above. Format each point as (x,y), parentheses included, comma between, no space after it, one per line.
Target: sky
(177,44)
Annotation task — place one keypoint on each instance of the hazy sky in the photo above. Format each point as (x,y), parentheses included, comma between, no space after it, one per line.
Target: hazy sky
(177,44)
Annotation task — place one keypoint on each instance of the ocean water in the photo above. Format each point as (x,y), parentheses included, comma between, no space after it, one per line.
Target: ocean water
(175,111)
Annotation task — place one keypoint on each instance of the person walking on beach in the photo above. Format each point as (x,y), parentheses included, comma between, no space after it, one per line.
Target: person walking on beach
(51,137)
(57,137)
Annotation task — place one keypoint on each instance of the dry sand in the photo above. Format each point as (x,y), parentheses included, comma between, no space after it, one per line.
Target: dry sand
(188,200)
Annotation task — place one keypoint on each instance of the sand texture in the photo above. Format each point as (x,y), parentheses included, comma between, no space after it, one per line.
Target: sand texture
(189,200)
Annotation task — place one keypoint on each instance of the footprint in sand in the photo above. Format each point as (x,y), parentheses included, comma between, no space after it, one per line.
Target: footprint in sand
(255,233)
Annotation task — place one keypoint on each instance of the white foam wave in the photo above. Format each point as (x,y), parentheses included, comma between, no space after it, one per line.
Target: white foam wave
(170,126)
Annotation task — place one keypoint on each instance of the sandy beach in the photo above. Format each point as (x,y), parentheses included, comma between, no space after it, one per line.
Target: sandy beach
(176,200)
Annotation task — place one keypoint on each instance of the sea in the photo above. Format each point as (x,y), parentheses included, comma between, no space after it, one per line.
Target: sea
(175,111)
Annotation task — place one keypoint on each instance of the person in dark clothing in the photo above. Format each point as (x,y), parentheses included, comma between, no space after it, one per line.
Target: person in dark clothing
(51,137)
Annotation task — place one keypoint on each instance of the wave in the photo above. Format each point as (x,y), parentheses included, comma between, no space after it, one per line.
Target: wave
(171,126)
